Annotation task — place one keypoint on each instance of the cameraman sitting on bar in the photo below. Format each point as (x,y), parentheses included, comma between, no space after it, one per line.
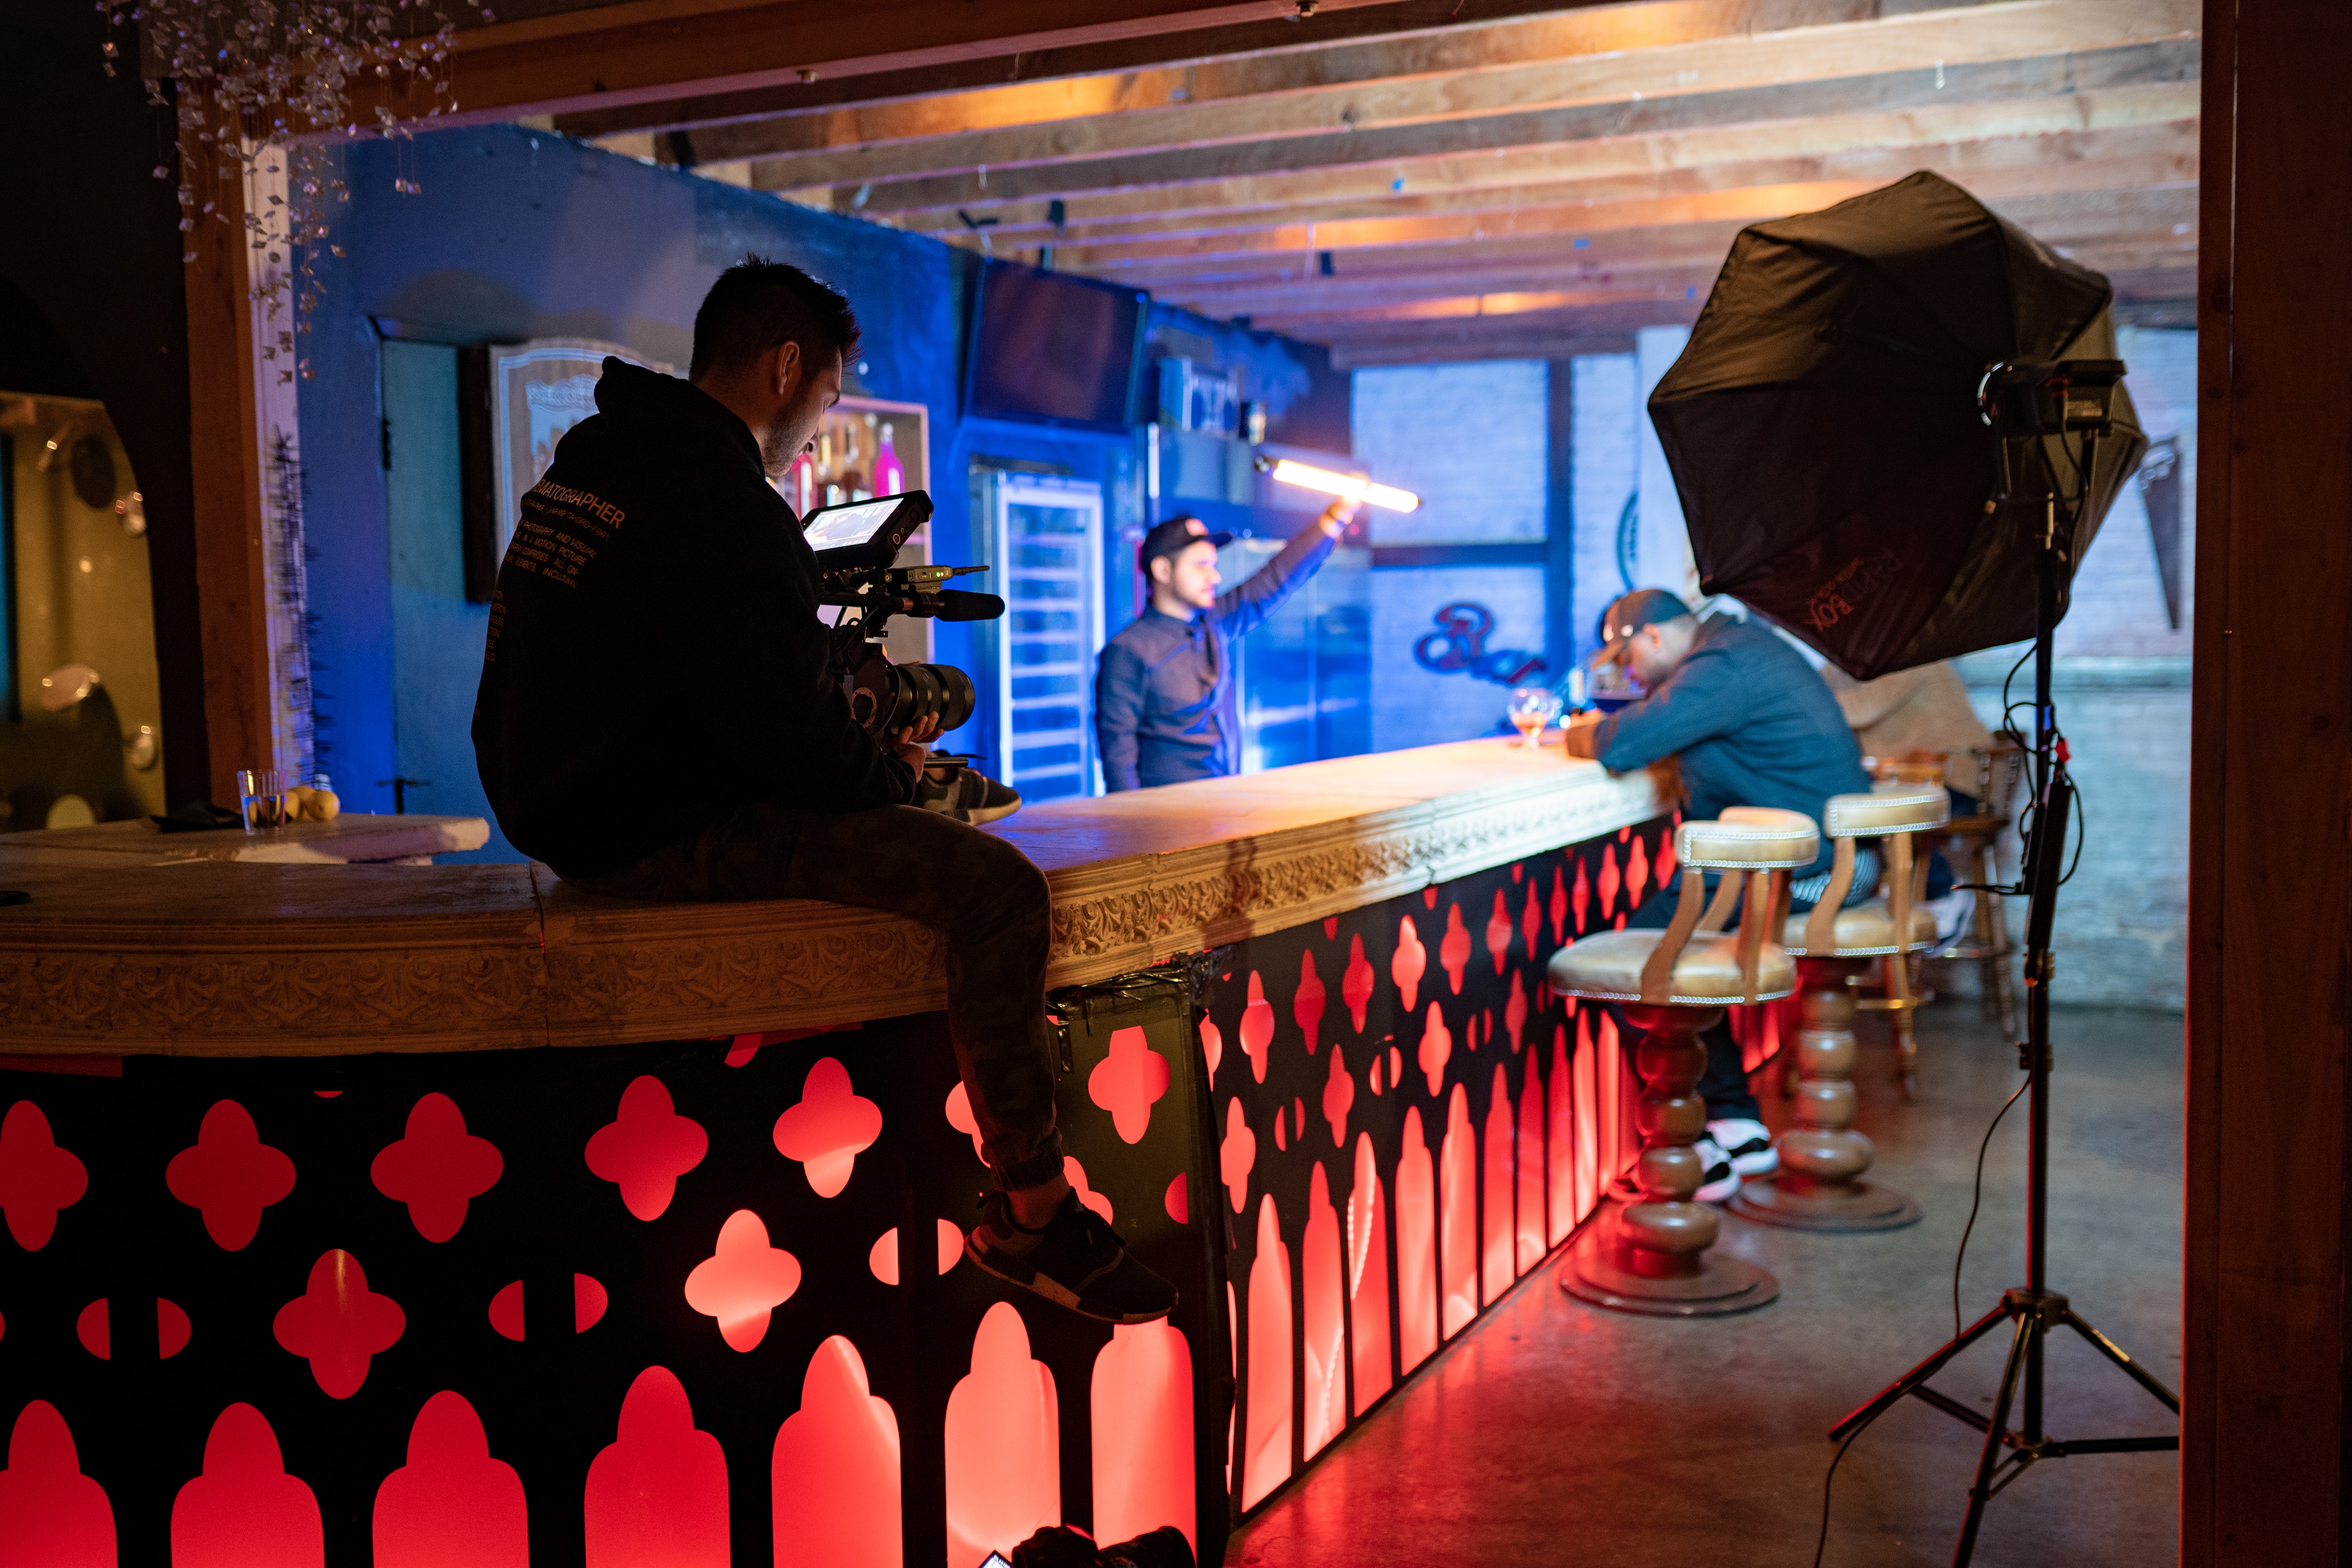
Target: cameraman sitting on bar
(1750,723)
(658,720)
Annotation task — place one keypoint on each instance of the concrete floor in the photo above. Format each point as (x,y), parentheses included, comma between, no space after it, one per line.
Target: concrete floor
(1553,1433)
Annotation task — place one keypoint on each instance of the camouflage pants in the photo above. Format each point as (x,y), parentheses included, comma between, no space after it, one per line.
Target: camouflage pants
(986,896)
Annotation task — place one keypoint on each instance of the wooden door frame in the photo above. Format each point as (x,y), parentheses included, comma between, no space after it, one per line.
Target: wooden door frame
(2262,1467)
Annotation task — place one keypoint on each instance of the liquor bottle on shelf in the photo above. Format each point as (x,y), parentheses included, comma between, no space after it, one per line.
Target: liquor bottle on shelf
(800,484)
(889,473)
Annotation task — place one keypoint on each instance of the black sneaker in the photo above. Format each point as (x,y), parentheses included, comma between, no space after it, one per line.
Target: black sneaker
(1075,1261)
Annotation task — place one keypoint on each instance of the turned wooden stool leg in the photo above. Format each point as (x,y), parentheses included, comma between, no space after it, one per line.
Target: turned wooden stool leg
(1654,1258)
(1819,1184)
(1901,1003)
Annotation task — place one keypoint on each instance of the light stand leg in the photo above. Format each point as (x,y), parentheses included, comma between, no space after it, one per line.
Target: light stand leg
(2034,1306)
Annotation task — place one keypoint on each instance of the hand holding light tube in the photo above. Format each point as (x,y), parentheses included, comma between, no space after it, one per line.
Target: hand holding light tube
(1353,486)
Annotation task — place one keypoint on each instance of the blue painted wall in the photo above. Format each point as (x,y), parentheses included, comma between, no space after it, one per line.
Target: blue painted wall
(518,233)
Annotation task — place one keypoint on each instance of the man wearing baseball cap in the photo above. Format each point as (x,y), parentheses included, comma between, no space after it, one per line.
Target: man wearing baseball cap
(1165,707)
(1749,722)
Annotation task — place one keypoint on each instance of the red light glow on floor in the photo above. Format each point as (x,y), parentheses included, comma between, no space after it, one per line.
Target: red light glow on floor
(656,1496)
(452,1505)
(245,1510)
(1004,1445)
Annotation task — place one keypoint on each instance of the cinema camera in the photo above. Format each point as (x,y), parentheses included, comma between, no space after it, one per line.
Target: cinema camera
(856,547)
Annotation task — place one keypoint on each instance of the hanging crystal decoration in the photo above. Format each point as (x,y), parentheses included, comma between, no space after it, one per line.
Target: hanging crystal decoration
(261,80)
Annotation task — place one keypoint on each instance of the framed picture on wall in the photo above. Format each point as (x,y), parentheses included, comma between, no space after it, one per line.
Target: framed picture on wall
(518,400)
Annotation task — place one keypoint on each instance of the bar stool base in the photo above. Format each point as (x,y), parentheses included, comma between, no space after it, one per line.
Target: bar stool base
(1723,1285)
(1866,1207)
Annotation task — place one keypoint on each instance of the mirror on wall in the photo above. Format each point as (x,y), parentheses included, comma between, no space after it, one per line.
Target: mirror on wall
(80,706)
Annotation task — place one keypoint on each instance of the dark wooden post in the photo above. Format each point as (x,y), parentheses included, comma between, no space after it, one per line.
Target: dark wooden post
(2270,884)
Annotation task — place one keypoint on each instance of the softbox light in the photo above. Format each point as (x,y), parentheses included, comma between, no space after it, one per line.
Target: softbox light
(1823,431)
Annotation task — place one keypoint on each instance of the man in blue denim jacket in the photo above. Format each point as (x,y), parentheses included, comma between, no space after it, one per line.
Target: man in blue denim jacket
(1165,707)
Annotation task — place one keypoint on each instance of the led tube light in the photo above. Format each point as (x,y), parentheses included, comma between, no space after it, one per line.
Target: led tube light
(1286,472)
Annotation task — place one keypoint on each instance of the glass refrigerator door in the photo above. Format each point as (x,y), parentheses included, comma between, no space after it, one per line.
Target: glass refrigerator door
(1049,569)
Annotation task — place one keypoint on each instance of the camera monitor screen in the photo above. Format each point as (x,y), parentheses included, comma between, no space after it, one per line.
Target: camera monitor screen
(836,527)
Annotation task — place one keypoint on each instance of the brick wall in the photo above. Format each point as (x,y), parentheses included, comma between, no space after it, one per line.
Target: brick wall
(1470,440)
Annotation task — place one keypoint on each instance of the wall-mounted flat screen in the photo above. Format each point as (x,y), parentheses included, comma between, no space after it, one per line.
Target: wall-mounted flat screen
(1049,346)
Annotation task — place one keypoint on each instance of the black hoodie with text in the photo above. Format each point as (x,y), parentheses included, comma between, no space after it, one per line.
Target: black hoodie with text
(655,658)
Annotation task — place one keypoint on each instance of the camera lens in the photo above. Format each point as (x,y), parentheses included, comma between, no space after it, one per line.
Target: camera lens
(891,697)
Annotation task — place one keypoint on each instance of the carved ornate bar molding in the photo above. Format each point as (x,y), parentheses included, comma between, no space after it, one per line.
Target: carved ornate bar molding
(246,959)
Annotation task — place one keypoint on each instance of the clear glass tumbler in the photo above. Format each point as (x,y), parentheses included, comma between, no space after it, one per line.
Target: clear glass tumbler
(261,797)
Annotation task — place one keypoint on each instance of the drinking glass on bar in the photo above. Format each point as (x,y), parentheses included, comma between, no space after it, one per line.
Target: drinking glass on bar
(261,797)
(1532,707)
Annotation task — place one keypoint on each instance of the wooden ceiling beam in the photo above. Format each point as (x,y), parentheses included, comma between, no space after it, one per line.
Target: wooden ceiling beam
(1192,98)
(2131,121)
(2008,191)
(1398,150)
(1970,39)
(1290,33)
(2153,157)
(650,51)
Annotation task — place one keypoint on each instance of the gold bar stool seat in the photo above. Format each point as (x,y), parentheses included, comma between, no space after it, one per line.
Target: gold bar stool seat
(1651,1257)
(1819,1184)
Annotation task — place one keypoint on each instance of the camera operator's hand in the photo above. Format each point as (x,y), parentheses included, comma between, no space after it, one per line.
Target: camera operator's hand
(913,742)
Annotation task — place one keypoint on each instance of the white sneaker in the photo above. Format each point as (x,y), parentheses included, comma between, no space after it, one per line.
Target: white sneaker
(1717,1180)
(1747,1144)
(1722,1176)
(1954,912)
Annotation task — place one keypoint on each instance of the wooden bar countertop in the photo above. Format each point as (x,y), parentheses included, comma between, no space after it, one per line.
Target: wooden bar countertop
(113,957)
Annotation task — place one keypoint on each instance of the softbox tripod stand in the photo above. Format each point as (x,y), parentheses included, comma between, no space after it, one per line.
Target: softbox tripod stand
(2033,1309)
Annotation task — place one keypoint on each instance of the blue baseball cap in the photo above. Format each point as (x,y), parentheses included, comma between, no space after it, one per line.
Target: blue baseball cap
(1628,614)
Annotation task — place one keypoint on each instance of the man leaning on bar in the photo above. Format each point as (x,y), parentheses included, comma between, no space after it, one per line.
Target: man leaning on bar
(1750,723)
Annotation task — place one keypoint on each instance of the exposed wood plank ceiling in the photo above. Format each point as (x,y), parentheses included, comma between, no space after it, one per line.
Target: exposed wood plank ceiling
(1525,180)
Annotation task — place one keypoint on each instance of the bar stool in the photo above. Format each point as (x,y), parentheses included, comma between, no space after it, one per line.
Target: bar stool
(1819,1184)
(1653,1258)
(1974,843)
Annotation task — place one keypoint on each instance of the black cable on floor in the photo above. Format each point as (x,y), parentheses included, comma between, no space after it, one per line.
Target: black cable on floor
(1976,1198)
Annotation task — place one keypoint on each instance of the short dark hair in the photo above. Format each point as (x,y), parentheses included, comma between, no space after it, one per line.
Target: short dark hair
(759,305)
